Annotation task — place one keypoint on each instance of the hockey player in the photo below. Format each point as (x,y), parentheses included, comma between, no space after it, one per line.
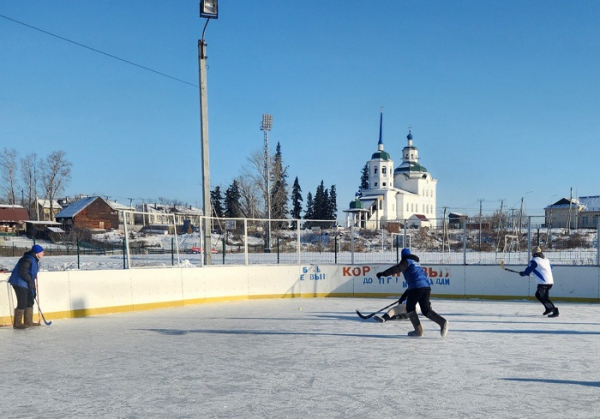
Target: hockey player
(542,269)
(395,313)
(22,280)
(418,291)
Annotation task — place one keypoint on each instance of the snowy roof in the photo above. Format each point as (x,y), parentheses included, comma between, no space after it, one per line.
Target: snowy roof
(591,203)
(76,207)
(117,206)
(45,203)
(42,223)
(56,229)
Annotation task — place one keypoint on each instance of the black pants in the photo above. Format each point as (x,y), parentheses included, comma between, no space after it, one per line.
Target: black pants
(543,296)
(421,296)
(24,298)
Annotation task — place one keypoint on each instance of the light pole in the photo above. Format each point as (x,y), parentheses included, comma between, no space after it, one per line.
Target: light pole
(209,10)
(267,124)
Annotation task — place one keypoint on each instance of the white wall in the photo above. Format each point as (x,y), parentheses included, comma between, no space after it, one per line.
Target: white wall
(82,293)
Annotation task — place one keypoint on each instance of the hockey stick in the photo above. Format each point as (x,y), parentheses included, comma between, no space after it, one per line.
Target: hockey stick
(368,316)
(47,323)
(506,269)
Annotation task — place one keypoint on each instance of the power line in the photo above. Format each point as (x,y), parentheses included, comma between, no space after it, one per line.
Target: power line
(98,51)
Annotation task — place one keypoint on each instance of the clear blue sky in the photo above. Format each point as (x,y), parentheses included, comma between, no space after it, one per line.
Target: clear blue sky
(503,96)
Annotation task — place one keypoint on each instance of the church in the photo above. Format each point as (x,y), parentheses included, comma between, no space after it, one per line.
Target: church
(395,197)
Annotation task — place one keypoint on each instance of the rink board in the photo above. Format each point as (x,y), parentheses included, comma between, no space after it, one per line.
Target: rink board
(83,293)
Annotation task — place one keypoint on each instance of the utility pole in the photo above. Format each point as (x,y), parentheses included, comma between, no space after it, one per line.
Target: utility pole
(480,221)
(208,10)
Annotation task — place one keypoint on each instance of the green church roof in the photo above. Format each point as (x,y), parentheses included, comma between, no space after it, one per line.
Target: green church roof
(383,155)
(412,167)
(356,204)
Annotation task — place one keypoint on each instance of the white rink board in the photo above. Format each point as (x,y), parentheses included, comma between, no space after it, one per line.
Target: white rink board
(94,292)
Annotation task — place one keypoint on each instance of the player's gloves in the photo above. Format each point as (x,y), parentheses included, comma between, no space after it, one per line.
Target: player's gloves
(522,273)
(33,294)
(379,274)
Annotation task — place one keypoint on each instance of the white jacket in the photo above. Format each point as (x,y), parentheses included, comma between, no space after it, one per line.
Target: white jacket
(542,270)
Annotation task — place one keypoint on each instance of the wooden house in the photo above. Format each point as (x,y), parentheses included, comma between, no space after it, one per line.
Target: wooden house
(90,213)
(12,219)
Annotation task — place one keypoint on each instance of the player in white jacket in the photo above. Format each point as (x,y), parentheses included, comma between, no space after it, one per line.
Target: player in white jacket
(542,269)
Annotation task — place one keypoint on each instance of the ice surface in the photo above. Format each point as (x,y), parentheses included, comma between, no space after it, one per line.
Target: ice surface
(269,359)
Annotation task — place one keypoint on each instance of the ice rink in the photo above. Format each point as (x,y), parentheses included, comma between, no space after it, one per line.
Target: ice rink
(306,358)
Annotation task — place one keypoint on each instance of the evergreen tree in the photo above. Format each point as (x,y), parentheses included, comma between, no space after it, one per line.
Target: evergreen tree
(319,203)
(296,201)
(310,207)
(279,193)
(232,201)
(364,178)
(332,207)
(216,200)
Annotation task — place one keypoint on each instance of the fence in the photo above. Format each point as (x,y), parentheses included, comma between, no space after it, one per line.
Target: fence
(147,241)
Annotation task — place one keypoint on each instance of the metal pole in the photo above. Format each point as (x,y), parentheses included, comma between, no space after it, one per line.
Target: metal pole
(204,137)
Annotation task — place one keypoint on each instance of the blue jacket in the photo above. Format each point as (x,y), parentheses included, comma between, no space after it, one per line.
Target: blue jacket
(25,271)
(414,274)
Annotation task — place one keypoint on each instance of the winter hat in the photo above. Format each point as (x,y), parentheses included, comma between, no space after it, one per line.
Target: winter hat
(537,250)
(37,249)
(405,252)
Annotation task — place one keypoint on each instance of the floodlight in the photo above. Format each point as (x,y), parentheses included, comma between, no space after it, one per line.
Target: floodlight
(209,9)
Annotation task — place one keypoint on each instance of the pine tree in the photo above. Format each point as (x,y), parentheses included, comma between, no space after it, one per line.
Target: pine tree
(319,203)
(279,194)
(216,201)
(309,214)
(232,201)
(332,213)
(364,178)
(296,201)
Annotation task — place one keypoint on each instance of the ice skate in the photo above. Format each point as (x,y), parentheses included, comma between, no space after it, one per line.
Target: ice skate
(554,313)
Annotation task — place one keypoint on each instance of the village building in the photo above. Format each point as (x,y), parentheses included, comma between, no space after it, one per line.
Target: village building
(90,213)
(12,219)
(44,211)
(573,213)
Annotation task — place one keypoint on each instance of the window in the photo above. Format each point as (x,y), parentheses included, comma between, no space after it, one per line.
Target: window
(383,184)
(383,170)
(375,171)
(375,184)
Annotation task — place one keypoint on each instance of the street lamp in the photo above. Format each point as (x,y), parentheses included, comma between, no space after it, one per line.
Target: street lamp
(209,10)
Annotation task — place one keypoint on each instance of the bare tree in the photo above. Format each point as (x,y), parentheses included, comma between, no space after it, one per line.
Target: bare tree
(254,173)
(29,174)
(56,174)
(8,162)
(250,201)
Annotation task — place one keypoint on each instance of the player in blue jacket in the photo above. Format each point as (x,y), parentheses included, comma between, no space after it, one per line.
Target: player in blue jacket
(418,291)
(22,280)
(542,269)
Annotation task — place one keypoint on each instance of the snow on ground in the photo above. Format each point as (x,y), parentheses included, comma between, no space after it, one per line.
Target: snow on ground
(306,358)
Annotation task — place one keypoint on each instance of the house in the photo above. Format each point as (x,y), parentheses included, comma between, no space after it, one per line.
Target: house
(418,220)
(12,218)
(90,213)
(582,212)
(161,215)
(456,219)
(43,211)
